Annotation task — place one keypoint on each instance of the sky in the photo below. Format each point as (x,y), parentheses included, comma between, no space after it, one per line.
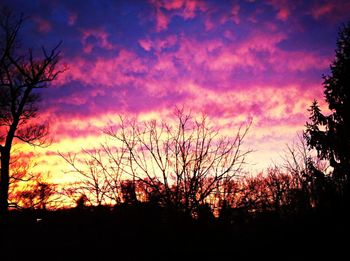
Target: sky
(232,60)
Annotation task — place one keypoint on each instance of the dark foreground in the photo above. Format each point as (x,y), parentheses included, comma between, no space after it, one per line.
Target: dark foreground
(143,233)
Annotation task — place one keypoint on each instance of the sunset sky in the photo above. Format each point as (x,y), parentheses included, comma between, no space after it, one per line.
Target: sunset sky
(233,60)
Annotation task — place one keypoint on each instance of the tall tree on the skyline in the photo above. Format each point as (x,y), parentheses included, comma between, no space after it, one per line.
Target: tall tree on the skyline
(329,134)
(21,77)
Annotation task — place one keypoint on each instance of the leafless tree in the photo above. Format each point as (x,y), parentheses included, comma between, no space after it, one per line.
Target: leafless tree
(253,193)
(99,172)
(178,165)
(310,174)
(21,78)
(38,194)
(183,163)
(20,173)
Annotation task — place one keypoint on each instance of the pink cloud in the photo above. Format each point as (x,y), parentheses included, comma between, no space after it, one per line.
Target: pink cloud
(283,7)
(172,4)
(333,10)
(228,61)
(299,61)
(322,10)
(162,21)
(158,44)
(283,14)
(166,42)
(164,75)
(165,64)
(72,19)
(276,110)
(100,35)
(215,17)
(217,56)
(229,35)
(271,107)
(235,13)
(104,71)
(146,44)
(184,8)
(263,41)
(43,26)
(209,24)
(191,7)
(230,74)
(228,57)
(187,7)
(160,77)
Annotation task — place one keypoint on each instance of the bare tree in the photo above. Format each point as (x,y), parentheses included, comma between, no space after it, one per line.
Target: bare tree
(183,163)
(309,174)
(37,194)
(99,172)
(21,77)
(253,193)
(180,165)
(20,173)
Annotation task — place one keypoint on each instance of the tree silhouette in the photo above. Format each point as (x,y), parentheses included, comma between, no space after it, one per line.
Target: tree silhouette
(329,134)
(21,77)
(129,192)
(38,195)
(185,162)
(100,172)
(179,166)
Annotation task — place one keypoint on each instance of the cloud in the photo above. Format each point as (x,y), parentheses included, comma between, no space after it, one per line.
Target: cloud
(166,10)
(43,25)
(218,15)
(72,19)
(332,10)
(92,38)
(175,60)
(232,60)
(174,63)
(162,20)
(107,72)
(284,8)
(321,10)
(146,44)
(158,44)
(235,13)
(300,61)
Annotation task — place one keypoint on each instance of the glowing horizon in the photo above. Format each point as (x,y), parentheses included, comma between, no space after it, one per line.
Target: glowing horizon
(232,60)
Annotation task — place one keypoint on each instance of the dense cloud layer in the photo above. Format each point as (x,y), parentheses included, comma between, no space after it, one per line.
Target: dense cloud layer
(232,60)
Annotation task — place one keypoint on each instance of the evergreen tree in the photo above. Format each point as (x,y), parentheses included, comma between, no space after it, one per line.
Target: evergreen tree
(330,134)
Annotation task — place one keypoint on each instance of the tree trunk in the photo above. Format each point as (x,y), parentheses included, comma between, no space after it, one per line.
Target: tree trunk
(4,180)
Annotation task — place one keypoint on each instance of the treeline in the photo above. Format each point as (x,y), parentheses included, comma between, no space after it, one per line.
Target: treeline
(189,169)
